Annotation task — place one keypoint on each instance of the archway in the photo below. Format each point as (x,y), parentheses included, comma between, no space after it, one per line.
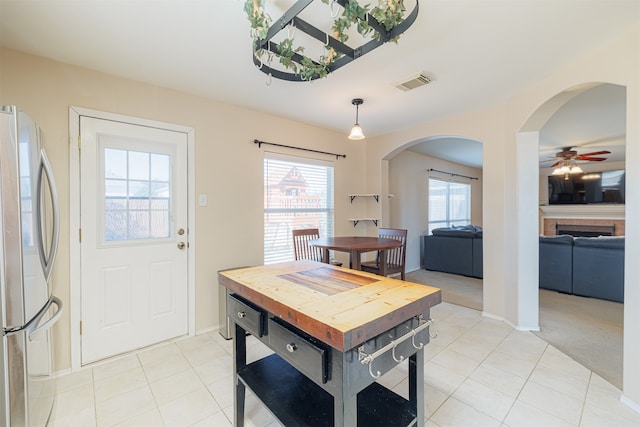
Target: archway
(408,169)
(530,189)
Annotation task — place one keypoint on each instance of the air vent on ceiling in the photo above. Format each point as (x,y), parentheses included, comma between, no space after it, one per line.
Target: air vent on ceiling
(413,82)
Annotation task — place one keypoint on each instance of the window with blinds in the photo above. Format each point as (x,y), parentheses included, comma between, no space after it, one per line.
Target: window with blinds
(449,203)
(298,193)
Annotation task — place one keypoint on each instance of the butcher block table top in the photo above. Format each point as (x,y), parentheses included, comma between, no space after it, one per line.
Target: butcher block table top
(338,306)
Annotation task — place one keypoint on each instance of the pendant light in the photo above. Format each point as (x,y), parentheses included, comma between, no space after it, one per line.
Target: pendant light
(356,130)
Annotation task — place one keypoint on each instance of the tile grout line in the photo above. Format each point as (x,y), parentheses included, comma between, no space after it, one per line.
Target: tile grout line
(529,379)
(584,402)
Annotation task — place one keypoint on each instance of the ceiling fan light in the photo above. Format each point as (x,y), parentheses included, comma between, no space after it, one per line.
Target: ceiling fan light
(576,169)
(557,171)
(356,132)
(565,169)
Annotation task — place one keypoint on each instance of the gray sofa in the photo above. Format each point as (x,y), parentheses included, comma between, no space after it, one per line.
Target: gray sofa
(585,266)
(556,263)
(598,267)
(456,250)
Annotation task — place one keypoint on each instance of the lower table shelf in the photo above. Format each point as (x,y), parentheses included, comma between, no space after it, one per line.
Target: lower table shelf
(295,400)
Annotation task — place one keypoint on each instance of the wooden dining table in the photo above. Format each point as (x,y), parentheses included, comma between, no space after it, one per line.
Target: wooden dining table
(356,245)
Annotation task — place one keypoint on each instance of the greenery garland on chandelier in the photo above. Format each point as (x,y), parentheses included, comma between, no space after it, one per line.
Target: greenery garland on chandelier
(388,13)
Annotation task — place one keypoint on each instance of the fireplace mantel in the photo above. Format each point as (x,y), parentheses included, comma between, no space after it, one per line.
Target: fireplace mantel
(586,215)
(593,211)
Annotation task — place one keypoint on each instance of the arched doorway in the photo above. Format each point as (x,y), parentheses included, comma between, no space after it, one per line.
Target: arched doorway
(453,159)
(587,118)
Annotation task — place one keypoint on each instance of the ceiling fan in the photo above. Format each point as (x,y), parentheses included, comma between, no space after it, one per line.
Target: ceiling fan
(565,161)
(568,155)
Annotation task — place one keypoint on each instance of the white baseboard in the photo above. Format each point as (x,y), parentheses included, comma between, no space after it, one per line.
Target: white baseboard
(513,325)
(630,403)
(494,317)
(207,330)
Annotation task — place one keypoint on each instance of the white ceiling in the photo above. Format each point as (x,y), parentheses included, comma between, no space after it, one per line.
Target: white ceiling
(595,120)
(454,149)
(479,53)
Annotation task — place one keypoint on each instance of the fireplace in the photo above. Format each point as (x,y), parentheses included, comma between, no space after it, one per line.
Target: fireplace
(584,219)
(581,230)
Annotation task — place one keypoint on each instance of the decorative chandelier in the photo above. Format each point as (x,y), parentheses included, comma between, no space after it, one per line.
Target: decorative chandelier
(274,41)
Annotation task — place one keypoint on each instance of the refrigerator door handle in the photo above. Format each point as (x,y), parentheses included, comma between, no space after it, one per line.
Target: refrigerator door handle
(47,262)
(34,328)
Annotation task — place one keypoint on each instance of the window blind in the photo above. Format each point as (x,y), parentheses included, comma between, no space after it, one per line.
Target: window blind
(298,193)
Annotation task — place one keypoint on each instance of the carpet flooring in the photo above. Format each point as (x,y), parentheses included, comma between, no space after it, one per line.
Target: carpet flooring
(588,330)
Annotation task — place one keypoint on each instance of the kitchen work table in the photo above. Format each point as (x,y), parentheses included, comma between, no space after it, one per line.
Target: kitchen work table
(356,245)
(334,332)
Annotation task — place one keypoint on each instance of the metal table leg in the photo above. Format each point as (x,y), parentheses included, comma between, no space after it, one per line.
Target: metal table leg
(239,362)
(416,384)
(345,412)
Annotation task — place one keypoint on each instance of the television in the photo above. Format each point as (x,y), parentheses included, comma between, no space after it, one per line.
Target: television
(588,187)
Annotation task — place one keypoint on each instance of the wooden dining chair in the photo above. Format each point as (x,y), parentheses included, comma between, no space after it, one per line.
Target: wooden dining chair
(395,257)
(301,247)
(303,250)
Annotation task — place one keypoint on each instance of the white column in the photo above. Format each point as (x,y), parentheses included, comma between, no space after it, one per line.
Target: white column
(527,172)
(631,342)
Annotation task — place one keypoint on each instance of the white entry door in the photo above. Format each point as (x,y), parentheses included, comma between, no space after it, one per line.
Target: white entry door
(134,248)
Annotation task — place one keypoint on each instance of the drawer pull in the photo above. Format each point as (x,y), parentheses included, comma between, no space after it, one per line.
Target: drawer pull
(242,314)
(291,347)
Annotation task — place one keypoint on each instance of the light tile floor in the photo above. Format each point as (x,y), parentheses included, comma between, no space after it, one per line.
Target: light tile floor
(478,372)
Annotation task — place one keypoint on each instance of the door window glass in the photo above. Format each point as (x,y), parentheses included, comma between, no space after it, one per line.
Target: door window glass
(137,195)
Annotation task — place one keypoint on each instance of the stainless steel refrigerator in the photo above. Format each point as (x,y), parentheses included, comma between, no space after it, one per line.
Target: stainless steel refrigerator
(29,217)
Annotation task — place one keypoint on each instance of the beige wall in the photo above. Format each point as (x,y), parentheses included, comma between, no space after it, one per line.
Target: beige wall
(408,182)
(229,231)
(488,127)
(506,295)
(228,165)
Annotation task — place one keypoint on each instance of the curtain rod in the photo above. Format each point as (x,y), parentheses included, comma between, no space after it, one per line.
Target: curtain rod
(452,174)
(256,141)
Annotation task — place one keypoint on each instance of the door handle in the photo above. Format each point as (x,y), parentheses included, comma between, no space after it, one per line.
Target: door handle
(34,328)
(181,245)
(47,261)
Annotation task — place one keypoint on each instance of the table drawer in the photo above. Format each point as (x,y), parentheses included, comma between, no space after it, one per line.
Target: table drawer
(299,349)
(246,314)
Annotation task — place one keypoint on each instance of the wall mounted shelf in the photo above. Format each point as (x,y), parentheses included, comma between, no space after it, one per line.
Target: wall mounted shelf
(357,220)
(375,196)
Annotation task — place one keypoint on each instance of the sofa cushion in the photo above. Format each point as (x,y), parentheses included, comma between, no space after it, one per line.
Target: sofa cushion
(455,232)
(613,242)
(477,268)
(563,239)
(598,269)
(556,263)
(449,254)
